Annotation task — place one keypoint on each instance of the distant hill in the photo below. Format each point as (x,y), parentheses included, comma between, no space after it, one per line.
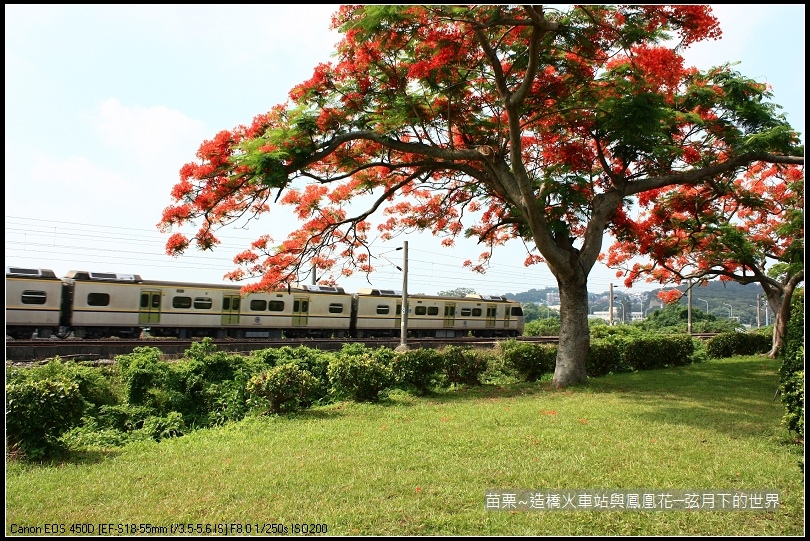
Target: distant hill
(725,299)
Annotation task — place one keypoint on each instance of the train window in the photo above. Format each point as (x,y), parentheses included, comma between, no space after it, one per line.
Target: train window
(517,311)
(181,302)
(226,304)
(98,299)
(449,310)
(258,305)
(144,300)
(476,312)
(465,312)
(275,306)
(420,310)
(492,312)
(235,306)
(156,301)
(433,310)
(34,297)
(383,308)
(335,308)
(203,303)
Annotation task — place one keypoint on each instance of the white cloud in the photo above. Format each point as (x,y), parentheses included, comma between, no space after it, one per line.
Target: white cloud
(152,137)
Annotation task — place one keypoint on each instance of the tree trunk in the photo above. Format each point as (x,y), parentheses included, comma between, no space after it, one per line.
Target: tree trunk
(575,337)
(781,306)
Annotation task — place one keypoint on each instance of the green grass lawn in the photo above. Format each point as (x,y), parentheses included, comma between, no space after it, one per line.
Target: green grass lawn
(422,465)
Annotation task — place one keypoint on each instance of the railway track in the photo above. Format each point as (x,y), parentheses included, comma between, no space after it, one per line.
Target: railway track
(31,351)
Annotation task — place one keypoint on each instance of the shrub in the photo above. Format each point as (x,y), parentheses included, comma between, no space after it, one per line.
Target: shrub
(90,434)
(160,428)
(650,351)
(463,365)
(737,343)
(793,399)
(123,417)
(791,372)
(604,357)
(530,361)
(216,366)
(360,373)
(38,412)
(141,371)
(794,339)
(543,327)
(416,369)
(283,388)
(227,401)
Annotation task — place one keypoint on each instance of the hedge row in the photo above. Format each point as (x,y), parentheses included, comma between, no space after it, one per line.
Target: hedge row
(62,405)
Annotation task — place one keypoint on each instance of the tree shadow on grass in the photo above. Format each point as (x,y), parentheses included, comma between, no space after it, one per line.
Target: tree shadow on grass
(735,395)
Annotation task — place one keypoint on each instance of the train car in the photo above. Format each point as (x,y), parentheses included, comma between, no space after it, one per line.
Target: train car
(109,304)
(33,303)
(378,312)
(306,311)
(102,304)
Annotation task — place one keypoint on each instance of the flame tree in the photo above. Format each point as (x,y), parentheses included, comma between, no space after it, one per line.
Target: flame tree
(747,230)
(490,121)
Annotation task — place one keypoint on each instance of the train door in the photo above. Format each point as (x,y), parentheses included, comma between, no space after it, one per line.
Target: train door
(492,312)
(507,314)
(398,317)
(149,311)
(300,311)
(449,314)
(230,309)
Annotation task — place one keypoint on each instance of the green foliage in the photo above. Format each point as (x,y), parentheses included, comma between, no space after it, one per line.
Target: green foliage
(316,362)
(94,384)
(674,319)
(738,343)
(141,371)
(122,417)
(622,349)
(226,401)
(360,373)
(283,388)
(416,369)
(530,361)
(158,399)
(458,292)
(793,399)
(604,357)
(160,428)
(463,365)
(212,365)
(93,435)
(44,402)
(605,331)
(38,412)
(543,327)
(791,372)
(651,351)
(794,334)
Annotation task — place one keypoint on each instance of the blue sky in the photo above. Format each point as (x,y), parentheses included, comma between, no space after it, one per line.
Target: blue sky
(105,103)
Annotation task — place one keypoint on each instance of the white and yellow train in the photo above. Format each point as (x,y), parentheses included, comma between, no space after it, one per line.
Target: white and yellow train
(99,305)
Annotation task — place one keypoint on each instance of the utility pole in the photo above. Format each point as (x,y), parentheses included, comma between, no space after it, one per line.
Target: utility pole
(403,340)
(759,314)
(611,304)
(689,309)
